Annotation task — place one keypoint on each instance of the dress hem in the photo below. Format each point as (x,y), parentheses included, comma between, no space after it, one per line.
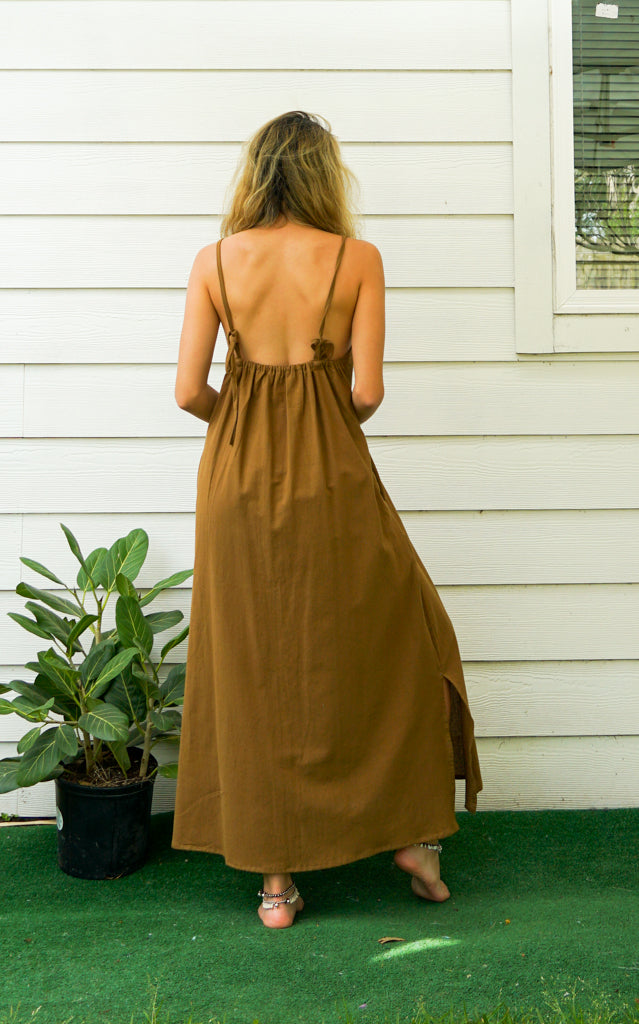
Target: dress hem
(370,852)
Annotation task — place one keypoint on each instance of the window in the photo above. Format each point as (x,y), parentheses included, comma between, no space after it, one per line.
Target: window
(575,86)
(595,159)
(605,63)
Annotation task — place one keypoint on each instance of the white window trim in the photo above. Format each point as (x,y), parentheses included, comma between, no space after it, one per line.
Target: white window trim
(550,313)
(531,177)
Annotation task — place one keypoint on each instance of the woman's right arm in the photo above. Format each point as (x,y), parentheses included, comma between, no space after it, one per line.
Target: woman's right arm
(367,334)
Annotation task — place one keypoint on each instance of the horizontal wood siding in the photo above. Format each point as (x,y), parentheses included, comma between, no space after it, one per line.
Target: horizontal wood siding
(516,476)
(191,34)
(424,398)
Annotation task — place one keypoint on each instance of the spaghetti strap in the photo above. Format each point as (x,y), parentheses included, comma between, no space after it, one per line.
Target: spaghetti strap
(232,354)
(332,289)
(227,308)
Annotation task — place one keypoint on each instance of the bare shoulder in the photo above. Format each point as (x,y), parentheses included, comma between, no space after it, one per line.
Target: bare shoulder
(205,258)
(364,249)
(205,263)
(367,255)
(207,255)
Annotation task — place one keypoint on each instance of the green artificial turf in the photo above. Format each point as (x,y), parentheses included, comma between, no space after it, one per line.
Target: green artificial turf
(543,904)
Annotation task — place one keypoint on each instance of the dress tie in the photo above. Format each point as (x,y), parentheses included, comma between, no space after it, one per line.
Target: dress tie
(322,348)
(233,359)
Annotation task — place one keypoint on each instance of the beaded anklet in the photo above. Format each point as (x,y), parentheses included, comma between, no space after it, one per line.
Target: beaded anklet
(269,905)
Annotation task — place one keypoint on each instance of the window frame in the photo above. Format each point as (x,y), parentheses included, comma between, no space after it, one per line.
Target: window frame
(551,314)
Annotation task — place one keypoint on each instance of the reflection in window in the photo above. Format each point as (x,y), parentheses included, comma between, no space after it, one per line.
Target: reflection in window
(606,134)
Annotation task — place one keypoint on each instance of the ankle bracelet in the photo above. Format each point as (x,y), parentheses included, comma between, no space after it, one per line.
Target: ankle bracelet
(289,899)
(430,846)
(263,892)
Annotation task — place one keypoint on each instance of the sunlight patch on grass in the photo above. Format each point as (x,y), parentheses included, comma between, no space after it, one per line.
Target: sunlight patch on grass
(403,948)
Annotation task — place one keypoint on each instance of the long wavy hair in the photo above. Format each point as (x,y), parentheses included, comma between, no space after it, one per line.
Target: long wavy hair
(292,165)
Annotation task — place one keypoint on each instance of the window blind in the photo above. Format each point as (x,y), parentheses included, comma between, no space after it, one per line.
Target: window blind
(605,53)
(606,85)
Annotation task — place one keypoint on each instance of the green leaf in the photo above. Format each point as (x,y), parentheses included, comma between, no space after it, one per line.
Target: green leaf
(75,547)
(44,688)
(105,721)
(159,621)
(24,707)
(96,659)
(41,569)
(67,740)
(121,754)
(114,667)
(60,604)
(98,689)
(7,708)
(124,586)
(136,737)
(174,642)
(53,774)
(28,624)
(165,720)
(95,564)
(59,672)
(172,688)
(52,623)
(125,693)
(169,738)
(26,689)
(35,696)
(146,683)
(45,754)
(8,774)
(168,770)
(170,581)
(126,556)
(132,625)
(28,739)
(79,628)
(5,689)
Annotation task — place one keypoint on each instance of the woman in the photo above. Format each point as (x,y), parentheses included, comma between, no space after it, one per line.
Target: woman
(325,714)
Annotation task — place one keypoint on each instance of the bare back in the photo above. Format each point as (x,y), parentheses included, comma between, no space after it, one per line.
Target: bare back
(277,280)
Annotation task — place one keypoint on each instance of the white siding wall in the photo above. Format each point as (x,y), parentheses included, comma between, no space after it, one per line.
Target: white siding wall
(121,126)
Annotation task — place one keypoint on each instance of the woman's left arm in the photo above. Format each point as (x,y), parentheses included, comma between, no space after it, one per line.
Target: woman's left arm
(197,342)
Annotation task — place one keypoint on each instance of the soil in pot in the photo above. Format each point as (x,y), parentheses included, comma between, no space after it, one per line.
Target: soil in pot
(107,772)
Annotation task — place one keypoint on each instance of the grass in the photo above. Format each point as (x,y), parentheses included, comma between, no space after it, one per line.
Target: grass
(540,930)
(558,1009)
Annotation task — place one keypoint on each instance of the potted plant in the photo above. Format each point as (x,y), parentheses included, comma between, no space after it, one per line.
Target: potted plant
(98,705)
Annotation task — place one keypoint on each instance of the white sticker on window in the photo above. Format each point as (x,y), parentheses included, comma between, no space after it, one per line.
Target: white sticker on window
(607,11)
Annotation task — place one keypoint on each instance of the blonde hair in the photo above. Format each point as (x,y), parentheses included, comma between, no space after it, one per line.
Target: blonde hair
(293,165)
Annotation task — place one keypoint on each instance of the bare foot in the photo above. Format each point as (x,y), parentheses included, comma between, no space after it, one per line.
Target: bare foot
(282,916)
(423,865)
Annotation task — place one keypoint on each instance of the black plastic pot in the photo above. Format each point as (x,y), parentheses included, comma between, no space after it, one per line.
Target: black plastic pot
(103,832)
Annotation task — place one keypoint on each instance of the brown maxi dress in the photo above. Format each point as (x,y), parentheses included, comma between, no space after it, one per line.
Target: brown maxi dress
(314,725)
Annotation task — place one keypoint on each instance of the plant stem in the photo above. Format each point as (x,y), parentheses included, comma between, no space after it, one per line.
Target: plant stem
(88,752)
(146,749)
